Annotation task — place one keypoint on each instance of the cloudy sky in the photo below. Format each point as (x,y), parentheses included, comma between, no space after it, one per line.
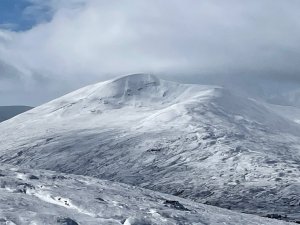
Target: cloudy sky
(48,48)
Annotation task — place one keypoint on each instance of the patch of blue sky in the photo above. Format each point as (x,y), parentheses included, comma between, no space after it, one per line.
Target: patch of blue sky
(19,15)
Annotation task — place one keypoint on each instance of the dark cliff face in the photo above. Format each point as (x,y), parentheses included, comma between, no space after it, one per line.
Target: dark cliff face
(7,112)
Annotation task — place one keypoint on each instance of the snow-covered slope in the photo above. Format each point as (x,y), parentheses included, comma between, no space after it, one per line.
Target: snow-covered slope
(289,97)
(289,112)
(42,197)
(197,142)
(7,112)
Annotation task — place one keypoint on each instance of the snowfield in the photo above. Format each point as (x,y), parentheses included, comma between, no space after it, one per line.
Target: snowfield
(43,197)
(197,142)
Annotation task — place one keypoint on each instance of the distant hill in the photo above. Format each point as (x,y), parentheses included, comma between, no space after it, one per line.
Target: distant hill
(7,112)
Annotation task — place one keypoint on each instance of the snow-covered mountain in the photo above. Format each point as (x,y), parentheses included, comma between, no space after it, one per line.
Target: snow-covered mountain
(42,197)
(198,142)
(7,112)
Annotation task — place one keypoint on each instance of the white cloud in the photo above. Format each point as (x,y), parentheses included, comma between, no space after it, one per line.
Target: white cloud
(88,40)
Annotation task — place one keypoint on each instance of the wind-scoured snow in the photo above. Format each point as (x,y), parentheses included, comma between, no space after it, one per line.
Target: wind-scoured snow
(198,142)
(43,197)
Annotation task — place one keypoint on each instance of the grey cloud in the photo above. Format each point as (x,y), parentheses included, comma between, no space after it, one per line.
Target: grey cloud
(8,72)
